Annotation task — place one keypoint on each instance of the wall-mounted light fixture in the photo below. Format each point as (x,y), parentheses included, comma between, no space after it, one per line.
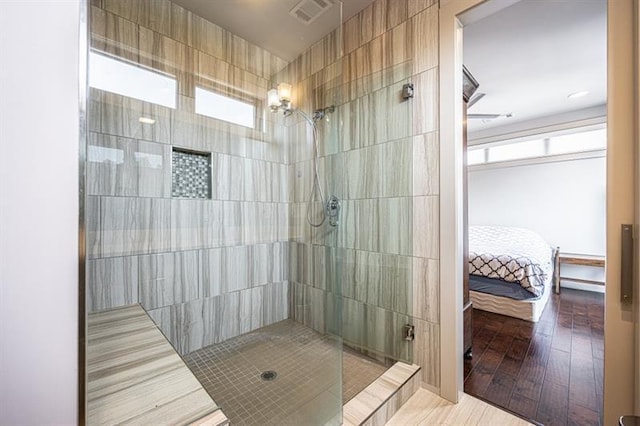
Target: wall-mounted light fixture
(280,99)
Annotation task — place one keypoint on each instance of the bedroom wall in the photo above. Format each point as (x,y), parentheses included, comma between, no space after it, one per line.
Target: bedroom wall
(562,201)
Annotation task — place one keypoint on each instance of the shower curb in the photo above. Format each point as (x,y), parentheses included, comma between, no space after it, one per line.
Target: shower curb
(379,401)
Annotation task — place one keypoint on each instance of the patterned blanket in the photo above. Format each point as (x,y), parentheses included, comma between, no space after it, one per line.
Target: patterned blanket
(514,255)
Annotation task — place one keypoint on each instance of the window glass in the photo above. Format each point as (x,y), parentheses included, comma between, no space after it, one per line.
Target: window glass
(577,142)
(112,75)
(475,156)
(225,108)
(517,150)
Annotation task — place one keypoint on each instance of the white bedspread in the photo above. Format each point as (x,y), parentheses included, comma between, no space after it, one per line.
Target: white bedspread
(511,254)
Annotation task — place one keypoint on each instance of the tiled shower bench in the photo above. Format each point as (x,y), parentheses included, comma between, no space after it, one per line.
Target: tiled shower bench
(136,377)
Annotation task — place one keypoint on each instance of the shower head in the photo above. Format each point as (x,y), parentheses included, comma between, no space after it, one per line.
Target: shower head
(319,114)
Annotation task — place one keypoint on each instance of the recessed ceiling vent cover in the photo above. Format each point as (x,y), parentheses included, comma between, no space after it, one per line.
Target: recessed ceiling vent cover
(308,11)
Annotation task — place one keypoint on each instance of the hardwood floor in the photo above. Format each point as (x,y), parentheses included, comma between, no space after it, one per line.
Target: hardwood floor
(550,371)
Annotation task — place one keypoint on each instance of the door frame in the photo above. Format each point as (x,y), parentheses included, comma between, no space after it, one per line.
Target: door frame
(637,180)
(451,187)
(622,184)
(620,323)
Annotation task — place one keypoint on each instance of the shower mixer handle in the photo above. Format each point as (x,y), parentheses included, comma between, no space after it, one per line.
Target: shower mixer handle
(333,210)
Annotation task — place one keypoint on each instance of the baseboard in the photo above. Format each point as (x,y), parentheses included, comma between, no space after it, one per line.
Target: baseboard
(566,283)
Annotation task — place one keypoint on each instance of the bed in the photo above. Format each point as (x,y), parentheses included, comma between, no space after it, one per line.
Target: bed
(511,271)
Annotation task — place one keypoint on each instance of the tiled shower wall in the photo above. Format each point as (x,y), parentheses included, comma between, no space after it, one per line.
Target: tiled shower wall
(186,260)
(383,165)
(205,270)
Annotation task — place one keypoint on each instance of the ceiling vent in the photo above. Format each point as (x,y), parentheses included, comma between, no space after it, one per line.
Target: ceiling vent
(308,11)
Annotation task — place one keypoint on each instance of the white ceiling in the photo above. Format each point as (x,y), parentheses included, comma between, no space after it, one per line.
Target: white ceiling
(268,24)
(529,56)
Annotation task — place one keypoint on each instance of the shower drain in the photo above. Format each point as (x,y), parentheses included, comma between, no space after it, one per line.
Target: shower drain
(269,375)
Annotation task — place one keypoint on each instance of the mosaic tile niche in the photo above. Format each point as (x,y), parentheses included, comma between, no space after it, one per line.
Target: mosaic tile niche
(191,174)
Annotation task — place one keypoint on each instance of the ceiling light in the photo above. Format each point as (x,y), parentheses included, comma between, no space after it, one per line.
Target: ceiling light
(576,95)
(146,120)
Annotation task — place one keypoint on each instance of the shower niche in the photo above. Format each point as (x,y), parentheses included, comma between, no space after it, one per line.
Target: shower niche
(190,174)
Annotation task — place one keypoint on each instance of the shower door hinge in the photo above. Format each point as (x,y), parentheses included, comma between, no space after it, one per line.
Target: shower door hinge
(409,332)
(407,91)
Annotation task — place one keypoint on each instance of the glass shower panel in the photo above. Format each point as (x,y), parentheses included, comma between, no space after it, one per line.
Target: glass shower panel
(311,130)
(202,210)
(378,261)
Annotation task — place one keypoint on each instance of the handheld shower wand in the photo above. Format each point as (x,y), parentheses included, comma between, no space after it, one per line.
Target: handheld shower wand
(316,186)
(282,102)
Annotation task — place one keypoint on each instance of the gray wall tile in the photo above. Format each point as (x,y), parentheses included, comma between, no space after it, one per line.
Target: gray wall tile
(134,225)
(426,222)
(427,351)
(426,164)
(426,289)
(170,278)
(196,224)
(232,223)
(111,283)
(113,34)
(363,177)
(120,117)
(375,329)
(94,227)
(396,225)
(425,110)
(395,168)
(126,167)
(425,34)
(308,306)
(154,14)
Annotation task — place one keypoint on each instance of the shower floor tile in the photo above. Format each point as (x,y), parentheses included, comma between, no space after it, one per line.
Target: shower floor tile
(307,387)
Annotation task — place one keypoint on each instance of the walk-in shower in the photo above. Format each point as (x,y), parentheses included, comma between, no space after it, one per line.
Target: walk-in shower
(277,252)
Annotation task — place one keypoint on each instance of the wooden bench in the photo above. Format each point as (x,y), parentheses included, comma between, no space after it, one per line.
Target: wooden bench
(581,260)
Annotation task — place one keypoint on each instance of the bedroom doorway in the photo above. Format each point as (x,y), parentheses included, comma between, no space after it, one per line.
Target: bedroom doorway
(534,195)
(619,321)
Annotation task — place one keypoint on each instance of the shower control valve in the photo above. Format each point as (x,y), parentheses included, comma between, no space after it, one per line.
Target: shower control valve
(333,210)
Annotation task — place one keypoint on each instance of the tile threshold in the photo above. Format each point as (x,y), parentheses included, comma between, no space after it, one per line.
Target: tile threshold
(381,399)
